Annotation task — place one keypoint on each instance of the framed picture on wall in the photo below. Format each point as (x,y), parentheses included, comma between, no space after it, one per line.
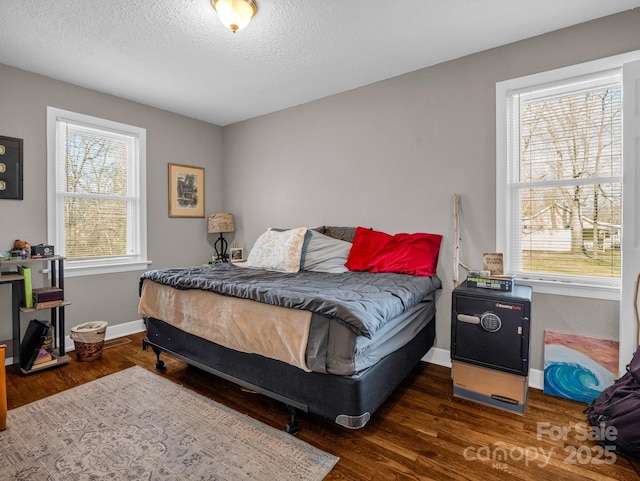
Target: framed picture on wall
(236,254)
(186,191)
(10,168)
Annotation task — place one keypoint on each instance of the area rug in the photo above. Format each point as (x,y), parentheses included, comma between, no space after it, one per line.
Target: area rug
(137,425)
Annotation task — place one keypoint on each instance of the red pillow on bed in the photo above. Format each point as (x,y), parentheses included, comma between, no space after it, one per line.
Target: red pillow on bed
(375,251)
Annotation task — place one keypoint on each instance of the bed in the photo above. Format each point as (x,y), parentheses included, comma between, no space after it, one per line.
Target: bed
(328,320)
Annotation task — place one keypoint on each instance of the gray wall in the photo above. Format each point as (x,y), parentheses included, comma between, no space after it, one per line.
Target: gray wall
(24,98)
(392,154)
(389,156)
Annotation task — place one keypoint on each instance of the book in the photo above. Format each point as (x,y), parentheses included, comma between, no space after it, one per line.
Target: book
(42,357)
(493,262)
(48,304)
(28,288)
(31,343)
(501,283)
(44,294)
(42,365)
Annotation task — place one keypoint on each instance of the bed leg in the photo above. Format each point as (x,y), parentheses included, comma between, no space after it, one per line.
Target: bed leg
(292,426)
(159,362)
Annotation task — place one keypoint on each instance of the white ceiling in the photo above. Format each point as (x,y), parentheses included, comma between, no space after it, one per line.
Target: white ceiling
(176,55)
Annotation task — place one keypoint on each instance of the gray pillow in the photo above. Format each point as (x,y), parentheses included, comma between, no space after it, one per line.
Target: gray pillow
(321,253)
(342,233)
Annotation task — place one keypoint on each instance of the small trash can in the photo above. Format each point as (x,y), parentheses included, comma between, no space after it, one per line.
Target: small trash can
(88,339)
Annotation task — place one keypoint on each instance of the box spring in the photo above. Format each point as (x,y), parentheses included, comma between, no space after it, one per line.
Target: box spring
(348,400)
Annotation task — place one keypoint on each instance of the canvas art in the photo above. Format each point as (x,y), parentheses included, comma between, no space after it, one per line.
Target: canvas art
(578,367)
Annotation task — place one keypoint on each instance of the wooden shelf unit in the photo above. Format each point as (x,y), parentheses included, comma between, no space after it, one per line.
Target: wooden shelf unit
(57,314)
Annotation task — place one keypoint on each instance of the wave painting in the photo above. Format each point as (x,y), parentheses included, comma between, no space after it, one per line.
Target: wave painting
(578,367)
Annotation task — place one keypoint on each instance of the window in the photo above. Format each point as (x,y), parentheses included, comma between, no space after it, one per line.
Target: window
(96,196)
(559,180)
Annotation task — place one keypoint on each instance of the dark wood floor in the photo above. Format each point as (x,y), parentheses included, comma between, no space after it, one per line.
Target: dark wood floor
(421,433)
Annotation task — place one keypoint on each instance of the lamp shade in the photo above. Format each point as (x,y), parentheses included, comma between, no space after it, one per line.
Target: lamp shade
(218,223)
(235,14)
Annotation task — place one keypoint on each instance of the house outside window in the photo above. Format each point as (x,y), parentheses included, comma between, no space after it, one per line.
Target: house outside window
(96,193)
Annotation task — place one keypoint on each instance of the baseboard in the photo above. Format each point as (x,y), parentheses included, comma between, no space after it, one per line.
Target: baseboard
(436,355)
(118,330)
(442,357)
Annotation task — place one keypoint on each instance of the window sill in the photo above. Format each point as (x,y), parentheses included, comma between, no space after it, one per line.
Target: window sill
(78,270)
(557,288)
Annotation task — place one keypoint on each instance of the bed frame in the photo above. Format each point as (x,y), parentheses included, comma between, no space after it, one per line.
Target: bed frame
(348,400)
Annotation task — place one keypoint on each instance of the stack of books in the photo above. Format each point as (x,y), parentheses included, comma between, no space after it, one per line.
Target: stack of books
(497,282)
(31,346)
(44,358)
(47,297)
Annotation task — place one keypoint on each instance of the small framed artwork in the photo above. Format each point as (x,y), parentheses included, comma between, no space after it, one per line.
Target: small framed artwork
(236,254)
(10,168)
(493,262)
(186,191)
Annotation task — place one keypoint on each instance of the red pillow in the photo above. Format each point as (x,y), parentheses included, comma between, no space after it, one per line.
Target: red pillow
(374,251)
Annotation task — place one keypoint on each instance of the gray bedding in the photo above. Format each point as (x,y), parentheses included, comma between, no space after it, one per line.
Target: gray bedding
(364,301)
(335,349)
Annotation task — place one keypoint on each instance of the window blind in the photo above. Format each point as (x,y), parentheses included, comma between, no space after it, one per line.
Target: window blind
(96,191)
(565,180)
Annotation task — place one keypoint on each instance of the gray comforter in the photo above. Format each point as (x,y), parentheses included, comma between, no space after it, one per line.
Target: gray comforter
(365,301)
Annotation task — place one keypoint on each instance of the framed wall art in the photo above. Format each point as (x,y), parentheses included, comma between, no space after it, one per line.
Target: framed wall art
(10,168)
(237,254)
(186,191)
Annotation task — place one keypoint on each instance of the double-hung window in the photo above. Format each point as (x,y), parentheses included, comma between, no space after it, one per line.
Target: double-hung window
(96,193)
(560,182)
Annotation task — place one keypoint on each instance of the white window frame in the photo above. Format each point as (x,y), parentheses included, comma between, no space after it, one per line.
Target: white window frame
(503,212)
(55,202)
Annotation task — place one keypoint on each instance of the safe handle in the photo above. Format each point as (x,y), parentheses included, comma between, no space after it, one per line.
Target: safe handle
(468,319)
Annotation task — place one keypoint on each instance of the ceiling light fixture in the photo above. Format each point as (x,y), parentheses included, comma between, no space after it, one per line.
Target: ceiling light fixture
(235,14)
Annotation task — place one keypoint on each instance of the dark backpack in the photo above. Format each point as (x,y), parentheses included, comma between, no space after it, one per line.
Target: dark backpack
(615,413)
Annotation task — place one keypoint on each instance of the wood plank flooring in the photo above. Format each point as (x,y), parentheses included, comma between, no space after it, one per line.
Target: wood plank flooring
(422,432)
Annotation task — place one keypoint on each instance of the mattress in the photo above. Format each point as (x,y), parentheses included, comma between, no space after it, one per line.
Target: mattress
(323,344)
(364,301)
(326,323)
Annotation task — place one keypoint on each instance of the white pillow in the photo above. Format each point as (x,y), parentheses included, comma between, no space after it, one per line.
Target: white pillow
(278,251)
(322,253)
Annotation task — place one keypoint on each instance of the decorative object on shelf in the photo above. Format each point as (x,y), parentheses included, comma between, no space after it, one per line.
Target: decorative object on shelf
(493,262)
(186,191)
(235,14)
(20,249)
(42,250)
(219,224)
(10,168)
(236,254)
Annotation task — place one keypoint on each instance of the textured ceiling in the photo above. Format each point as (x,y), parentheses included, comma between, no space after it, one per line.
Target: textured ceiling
(176,55)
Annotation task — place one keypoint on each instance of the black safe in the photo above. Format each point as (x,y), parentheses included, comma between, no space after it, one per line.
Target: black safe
(492,328)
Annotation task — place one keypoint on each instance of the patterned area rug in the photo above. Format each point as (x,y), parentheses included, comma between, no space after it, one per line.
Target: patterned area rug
(137,425)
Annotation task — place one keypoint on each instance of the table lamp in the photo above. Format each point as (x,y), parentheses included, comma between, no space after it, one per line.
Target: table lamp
(219,224)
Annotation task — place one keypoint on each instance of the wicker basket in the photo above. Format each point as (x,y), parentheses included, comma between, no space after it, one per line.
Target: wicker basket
(88,339)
